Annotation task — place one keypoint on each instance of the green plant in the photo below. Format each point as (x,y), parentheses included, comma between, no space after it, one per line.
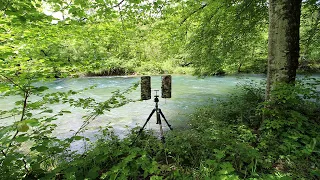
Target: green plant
(28,148)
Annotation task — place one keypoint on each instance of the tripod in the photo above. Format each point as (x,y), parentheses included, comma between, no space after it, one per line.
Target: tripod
(159,113)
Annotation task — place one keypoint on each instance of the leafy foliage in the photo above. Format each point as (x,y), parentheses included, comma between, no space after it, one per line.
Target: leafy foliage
(27,146)
(310,38)
(126,37)
(276,136)
(235,35)
(241,137)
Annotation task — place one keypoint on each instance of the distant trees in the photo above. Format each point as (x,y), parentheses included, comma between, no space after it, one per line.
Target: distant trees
(212,36)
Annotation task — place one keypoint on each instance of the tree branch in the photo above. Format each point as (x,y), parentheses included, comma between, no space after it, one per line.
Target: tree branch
(118,4)
(243,9)
(8,116)
(45,54)
(14,83)
(26,95)
(25,166)
(192,13)
(4,154)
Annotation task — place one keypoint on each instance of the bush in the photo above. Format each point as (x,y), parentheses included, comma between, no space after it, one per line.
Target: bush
(280,135)
(290,130)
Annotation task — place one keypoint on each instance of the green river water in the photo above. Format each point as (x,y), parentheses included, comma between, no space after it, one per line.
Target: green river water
(188,93)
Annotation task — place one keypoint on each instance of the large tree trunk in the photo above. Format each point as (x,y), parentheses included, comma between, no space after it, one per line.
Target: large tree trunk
(283,47)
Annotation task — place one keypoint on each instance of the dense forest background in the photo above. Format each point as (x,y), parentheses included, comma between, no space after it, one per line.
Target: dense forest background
(254,133)
(146,37)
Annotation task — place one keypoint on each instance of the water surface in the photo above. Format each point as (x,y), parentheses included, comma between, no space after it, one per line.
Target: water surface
(188,93)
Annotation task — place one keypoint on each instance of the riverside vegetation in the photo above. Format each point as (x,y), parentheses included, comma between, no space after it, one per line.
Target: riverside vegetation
(239,137)
(254,133)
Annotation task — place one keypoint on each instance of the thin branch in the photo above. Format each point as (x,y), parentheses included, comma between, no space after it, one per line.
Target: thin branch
(91,118)
(25,166)
(217,10)
(8,116)
(4,154)
(14,136)
(10,80)
(243,9)
(118,5)
(21,119)
(26,95)
(192,13)
(45,54)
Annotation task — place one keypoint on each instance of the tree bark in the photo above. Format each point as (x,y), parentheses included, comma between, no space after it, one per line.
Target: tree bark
(283,42)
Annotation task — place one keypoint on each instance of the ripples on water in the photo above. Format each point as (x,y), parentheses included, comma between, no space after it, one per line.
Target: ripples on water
(188,92)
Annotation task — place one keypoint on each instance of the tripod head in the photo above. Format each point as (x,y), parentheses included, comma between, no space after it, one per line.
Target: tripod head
(156,97)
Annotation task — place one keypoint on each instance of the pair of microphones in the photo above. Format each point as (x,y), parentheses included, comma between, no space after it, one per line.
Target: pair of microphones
(166,82)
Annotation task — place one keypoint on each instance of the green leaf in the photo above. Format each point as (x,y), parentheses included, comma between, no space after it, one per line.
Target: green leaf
(41,88)
(93,173)
(22,127)
(40,148)
(78,137)
(32,122)
(22,138)
(47,111)
(28,114)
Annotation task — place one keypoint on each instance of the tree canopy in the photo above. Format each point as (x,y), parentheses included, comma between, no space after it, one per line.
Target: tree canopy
(123,37)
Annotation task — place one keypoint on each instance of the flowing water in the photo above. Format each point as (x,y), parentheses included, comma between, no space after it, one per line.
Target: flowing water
(188,93)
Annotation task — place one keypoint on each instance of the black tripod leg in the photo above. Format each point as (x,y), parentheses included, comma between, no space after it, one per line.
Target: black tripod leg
(141,129)
(165,119)
(147,121)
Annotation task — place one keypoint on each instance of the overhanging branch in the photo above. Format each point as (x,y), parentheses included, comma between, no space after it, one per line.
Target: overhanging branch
(192,13)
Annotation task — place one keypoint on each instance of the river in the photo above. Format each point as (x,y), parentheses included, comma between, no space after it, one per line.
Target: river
(188,93)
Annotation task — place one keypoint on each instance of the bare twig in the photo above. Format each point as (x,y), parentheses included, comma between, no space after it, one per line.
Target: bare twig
(7,116)
(25,166)
(4,154)
(26,95)
(91,118)
(118,5)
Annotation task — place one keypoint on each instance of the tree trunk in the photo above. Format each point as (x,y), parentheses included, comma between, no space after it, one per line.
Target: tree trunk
(283,42)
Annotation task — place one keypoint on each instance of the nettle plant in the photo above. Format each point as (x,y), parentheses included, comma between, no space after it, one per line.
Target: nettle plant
(27,144)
